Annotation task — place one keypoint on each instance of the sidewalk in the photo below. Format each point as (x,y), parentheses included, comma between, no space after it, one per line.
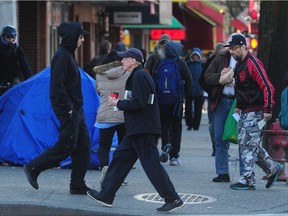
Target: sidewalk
(193,180)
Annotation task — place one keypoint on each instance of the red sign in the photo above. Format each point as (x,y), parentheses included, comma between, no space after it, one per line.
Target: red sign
(175,34)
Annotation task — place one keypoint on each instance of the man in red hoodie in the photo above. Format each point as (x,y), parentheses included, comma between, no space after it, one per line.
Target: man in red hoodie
(255,100)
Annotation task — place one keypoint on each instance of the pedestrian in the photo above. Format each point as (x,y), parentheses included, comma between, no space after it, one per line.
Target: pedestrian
(255,101)
(67,101)
(104,48)
(110,78)
(208,88)
(14,67)
(158,54)
(196,99)
(173,83)
(142,124)
(221,99)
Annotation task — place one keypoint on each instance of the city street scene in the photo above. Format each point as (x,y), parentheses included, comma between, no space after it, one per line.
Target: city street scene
(143,107)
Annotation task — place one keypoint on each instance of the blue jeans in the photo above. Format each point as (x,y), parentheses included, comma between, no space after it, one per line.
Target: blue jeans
(221,147)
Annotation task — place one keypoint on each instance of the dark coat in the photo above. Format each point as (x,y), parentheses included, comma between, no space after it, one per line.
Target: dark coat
(140,116)
(212,76)
(65,84)
(13,62)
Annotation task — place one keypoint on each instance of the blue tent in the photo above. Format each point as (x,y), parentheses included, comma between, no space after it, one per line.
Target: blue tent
(28,124)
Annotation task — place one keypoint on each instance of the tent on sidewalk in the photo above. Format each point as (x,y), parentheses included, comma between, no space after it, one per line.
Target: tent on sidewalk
(28,124)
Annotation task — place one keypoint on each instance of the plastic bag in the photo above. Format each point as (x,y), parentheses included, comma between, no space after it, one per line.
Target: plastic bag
(230,132)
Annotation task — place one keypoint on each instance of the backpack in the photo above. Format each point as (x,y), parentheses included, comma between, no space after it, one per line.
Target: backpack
(168,82)
(283,115)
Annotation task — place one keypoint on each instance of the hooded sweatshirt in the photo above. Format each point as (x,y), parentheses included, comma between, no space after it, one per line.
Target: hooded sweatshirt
(173,50)
(195,68)
(65,84)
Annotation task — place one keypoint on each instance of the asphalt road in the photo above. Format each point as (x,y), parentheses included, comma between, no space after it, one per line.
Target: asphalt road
(192,180)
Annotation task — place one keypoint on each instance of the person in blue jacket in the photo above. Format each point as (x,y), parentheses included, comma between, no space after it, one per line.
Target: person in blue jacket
(195,101)
(67,101)
(142,122)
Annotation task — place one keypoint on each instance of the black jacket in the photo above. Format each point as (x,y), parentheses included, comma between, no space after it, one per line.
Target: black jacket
(13,62)
(140,116)
(65,84)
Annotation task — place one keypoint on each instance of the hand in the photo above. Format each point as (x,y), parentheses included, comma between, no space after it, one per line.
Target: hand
(224,70)
(267,116)
(112,101)
(236,110)
(70,112)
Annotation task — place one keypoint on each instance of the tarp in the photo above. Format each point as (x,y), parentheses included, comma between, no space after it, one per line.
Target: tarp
(28,124)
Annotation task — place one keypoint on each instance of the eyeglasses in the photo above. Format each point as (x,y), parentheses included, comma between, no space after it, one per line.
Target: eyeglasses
(233,48)
(9,37)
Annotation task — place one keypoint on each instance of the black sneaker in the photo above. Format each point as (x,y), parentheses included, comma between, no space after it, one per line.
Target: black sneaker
(273,178)
(165,153)
(169,207)
(31,176)
(96,196)
(80,190)
(222,178)
(240,186)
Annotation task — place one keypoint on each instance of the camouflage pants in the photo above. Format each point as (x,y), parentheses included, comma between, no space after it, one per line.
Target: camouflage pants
(250,140)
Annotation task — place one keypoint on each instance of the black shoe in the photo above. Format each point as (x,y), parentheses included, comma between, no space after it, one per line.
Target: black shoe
(240,186)
(221,178)
(273,178)
(165,153)
(80,190)
(31,176)
(96,196)
(189,128)
(169,207)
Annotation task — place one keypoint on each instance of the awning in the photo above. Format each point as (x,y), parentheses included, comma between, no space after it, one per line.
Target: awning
(240,22)
(175,25)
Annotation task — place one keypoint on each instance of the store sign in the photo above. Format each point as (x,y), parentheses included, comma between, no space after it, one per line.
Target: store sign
(175,34)
(127,17)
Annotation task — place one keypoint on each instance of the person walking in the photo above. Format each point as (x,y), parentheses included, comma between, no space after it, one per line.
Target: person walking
(110,78)
(255,101)
(208,88)
(173,83)
(142,122)
(222,97)
(14,66)
(196,99)
(67,101)
(158,54)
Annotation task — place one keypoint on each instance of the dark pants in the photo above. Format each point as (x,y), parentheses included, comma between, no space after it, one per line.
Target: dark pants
(193,120)
(73,141)
(144,147)
(171,128)
(105,142)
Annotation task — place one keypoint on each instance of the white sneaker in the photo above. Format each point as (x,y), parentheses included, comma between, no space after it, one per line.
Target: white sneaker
(174,162)
(103,173)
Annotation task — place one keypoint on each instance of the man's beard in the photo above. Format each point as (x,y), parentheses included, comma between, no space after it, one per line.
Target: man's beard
(161,53)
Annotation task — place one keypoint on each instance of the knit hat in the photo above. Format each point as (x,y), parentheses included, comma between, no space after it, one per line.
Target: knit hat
(164,37)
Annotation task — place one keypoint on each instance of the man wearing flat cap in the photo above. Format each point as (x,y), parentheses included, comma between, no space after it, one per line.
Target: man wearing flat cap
(254,102)
(158,54)
(67,101)
(142,122)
